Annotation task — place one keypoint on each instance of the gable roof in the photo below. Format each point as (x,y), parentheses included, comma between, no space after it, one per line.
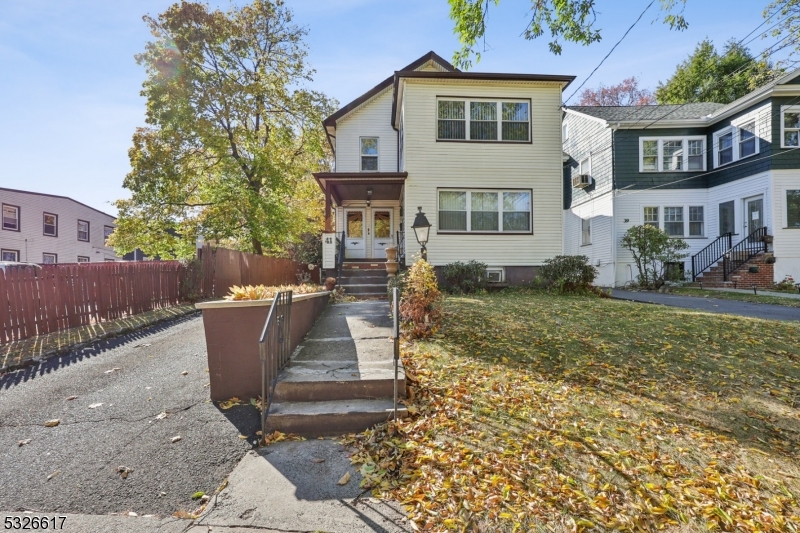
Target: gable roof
(56,196)
(330,122)
(692,111)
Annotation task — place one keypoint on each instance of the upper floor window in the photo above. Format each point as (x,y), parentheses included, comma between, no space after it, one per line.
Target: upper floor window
(483,120)
(790,126)
(564,132)
(585,166)
(107,231)
(49,225)
(735,142)
(672,154)
(369,154)
(10,217)
(83,231)
(485,211)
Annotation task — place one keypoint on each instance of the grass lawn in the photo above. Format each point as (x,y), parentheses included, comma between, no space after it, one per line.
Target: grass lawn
(761,298)
(533,412)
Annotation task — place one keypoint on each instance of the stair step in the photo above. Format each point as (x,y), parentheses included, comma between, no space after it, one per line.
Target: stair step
(335,417)
(330,380)
(364,266)
(364,289)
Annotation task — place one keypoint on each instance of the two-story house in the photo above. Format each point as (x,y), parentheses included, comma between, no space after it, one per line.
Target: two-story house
(479,153)
(45,228)
(719,176)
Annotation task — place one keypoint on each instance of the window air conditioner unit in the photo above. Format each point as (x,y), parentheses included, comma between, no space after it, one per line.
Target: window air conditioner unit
(494,275)
(581,181)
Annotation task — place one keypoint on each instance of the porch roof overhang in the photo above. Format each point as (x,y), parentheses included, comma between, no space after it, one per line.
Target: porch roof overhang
(354,185)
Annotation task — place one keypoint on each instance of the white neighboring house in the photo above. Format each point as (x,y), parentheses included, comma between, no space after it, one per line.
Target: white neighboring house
(45,228)
(479,153)
(709,173)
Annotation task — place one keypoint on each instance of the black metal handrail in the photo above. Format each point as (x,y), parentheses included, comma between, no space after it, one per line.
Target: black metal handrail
(711,254)
(401,247)
(742,252)
(274,348)
(340,257)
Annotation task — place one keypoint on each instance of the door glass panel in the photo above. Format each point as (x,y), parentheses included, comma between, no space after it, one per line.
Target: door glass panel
(383,229)
(355,224)
(726,223)
(755,215)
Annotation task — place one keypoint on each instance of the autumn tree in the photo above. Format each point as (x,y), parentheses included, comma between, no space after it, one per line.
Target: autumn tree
(708,76)
(564,20)
(232,133)
(623,94)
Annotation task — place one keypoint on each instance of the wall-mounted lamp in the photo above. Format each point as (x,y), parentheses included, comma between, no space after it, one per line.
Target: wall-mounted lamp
(369,197)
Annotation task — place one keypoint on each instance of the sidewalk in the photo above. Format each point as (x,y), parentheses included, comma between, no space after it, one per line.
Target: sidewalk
(792,295)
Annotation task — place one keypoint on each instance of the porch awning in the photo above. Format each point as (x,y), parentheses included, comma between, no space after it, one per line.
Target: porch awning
(354,185)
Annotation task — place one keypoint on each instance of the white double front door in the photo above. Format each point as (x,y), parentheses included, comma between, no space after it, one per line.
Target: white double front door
(367,240)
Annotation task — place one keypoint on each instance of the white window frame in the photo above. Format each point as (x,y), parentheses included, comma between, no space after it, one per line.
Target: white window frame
(55,225)
(7,251)
(785,197)
(468,210)
(497,270)
(688,225)
(660,162)
(736,130)
(587,159)
(586,236)
(789,109)
(362,155)
(16,208)
(498,103)
(85,257)
(686,216)
(55,258)
(564,132)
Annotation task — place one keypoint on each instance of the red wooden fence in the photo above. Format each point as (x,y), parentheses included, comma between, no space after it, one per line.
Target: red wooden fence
(34,301)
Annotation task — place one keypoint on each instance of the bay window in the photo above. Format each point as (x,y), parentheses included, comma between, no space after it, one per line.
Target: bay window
(470,119)
(672,154)
(485,211)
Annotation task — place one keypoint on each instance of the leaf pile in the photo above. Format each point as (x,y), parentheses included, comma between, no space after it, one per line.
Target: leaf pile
(536,412)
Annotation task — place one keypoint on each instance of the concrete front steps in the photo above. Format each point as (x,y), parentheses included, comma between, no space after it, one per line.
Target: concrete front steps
(364,279)
(341,378)
(741,278)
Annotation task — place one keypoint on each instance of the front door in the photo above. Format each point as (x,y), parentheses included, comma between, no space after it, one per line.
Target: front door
(355,243)
(381,232)
(754,214)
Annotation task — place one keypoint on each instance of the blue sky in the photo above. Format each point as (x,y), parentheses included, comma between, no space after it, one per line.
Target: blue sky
(70,86)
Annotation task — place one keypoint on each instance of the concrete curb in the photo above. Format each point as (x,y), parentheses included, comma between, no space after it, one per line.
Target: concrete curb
(105,336)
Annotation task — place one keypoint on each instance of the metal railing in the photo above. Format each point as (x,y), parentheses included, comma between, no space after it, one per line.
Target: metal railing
(401,247)
(340,257)
(711,254)
(275,349)
(742,252)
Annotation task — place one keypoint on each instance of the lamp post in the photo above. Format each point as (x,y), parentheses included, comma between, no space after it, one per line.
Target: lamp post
(422,229)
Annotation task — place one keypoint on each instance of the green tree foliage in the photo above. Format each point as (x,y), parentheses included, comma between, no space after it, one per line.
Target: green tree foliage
(708,76)
(652,251)
(565,20)
(232,133)
(568,273)
(787,14)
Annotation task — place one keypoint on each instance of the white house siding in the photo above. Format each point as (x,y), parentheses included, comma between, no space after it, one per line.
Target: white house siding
(372,119)
(787,241)
(537,166)
(630,206)
(600,212)
(30,241)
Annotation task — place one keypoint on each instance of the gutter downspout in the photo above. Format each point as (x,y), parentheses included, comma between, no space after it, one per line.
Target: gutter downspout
(614,243)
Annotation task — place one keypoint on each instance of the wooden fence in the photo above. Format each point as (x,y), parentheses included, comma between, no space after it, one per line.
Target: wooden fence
(34,301)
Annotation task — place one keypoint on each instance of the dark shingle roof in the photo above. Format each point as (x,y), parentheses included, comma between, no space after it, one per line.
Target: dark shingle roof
(650,112)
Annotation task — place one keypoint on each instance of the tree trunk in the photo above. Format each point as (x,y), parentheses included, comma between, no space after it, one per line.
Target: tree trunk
(257,247)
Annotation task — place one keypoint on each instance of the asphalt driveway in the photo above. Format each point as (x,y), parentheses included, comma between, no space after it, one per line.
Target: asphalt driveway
(120,404)
(713,305)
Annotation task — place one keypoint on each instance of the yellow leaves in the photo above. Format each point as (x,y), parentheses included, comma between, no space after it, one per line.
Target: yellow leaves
(277,436)
(227,404)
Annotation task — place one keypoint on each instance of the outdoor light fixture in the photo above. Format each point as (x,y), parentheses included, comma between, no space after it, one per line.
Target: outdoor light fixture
(369,197)
(421,229)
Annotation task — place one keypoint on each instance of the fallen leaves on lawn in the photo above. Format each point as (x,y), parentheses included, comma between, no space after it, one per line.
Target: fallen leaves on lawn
(578,414)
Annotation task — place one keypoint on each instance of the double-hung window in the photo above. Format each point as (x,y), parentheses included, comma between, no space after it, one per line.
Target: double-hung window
(485,211)
(672,154)
(651,216)
(369,154)
(83,230)
(736,141)
(49,225)
(10,217)
(469,119)
(678,221)
(107,231)
(696,221)
(790,126)
(793,209)
(673,221)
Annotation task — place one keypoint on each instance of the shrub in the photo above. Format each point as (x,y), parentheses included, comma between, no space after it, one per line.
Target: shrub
(465,277)
(786,285)
(421,304)
(568,273)
(398,281)
(653,250)
(262,292)
(308,250)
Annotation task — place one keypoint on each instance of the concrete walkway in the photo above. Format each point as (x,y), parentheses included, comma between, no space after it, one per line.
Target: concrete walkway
(713,305)
(790,295)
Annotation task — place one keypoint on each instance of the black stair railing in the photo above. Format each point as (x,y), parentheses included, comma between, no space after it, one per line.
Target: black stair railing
(274,348)
(741,253)
(711,254)
(340,257)
(401,247)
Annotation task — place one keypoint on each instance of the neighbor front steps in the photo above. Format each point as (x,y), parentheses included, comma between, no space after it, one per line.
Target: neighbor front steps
(341,378)
(740,278)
